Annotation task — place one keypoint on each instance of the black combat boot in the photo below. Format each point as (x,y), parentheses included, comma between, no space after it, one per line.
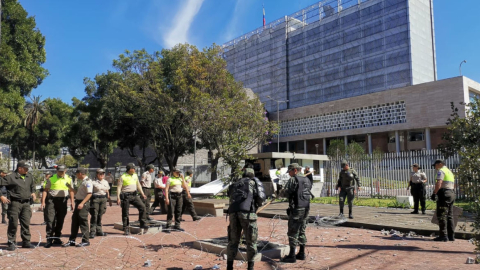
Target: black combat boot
(3,219)
(230,265)
(290,258)
(301,253)
(126,231)
(341,212)
(250,265)
(350,215)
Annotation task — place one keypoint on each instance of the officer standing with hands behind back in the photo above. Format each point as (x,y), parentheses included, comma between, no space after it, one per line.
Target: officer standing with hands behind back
(127,188)
(20,187)
(146,183)
(298,192)
(444,190)
(98,205)
(346,184)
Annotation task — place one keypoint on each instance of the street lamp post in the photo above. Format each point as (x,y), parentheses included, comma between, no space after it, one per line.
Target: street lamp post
(64,152)
(460,68)
(278,119)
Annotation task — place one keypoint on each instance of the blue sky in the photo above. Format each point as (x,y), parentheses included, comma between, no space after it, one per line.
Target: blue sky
(83,37)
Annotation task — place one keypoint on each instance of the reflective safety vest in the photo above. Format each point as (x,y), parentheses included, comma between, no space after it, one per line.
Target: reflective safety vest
(175,181)
(60,183)
(188,180)
(449,177)
(129,179)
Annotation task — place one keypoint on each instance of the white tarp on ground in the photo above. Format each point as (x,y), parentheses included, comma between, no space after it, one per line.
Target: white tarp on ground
(210,189)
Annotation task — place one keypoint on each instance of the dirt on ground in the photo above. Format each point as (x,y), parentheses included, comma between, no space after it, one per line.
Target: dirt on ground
(327,248)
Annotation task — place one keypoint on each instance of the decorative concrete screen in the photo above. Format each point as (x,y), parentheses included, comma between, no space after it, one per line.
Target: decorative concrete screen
(371,116)
(336,49)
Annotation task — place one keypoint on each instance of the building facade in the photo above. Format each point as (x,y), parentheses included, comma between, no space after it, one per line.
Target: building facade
(336,49)
(354,70)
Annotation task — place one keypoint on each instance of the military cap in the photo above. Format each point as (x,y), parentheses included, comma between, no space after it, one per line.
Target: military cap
(344,163)
(61,168)
(23,164)
(416,165)
(48,173)
(174,169)
(150,166)
(438,161)
(81,170)
(3,170)
(100,170)
(161,172)
(130,166)
(189,172)
(294,166)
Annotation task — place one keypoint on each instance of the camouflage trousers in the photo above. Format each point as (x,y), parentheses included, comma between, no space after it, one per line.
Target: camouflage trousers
(248,224)
(349,194)
(297,223)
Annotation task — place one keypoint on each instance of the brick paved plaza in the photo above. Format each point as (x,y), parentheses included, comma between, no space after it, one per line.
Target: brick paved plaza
(328,248)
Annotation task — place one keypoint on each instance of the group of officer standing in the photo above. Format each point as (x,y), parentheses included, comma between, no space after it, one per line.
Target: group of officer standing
(246,194)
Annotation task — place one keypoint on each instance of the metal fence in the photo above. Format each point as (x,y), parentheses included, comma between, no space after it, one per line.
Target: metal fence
(388,175)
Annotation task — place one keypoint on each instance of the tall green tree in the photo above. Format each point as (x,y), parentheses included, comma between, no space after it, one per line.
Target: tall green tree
(52,128)
(463,137)
(22,55)
(82,136)
(34,110)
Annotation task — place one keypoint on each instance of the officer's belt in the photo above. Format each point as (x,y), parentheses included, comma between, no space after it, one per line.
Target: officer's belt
(128,194)
(175,194)
(79,200)
(146,187)
(98,196)
(445,189)
(20,201)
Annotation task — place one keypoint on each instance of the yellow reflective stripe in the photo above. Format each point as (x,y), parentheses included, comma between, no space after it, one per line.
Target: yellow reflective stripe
(129,179)
(175,181)
(449,177)
(59,183)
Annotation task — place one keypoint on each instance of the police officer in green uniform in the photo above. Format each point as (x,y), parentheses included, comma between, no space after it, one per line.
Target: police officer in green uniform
(174,199)
(246,195)
(127,188)
(187,202)
(20,188)
(346,184)
(444,190)
(3,190)
(146,183)
(54,202)
(298,192)
(82,207)
(98,203)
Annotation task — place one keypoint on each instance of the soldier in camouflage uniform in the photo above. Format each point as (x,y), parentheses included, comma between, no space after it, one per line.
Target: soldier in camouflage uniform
(346,185)
(298,192)
(246,195)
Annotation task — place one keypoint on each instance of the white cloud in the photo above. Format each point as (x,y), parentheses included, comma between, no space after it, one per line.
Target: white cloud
(178,32)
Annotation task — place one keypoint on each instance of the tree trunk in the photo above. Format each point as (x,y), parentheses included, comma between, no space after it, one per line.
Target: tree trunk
(33,165)
(214,168)
(44,160)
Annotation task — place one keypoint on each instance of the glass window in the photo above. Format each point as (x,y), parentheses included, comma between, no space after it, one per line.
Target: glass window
(473,95)
(415,136)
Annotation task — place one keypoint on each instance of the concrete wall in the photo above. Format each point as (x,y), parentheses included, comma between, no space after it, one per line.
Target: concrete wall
(427,105)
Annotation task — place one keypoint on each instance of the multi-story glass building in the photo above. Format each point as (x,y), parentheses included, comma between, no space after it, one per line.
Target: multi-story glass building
(359,70)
